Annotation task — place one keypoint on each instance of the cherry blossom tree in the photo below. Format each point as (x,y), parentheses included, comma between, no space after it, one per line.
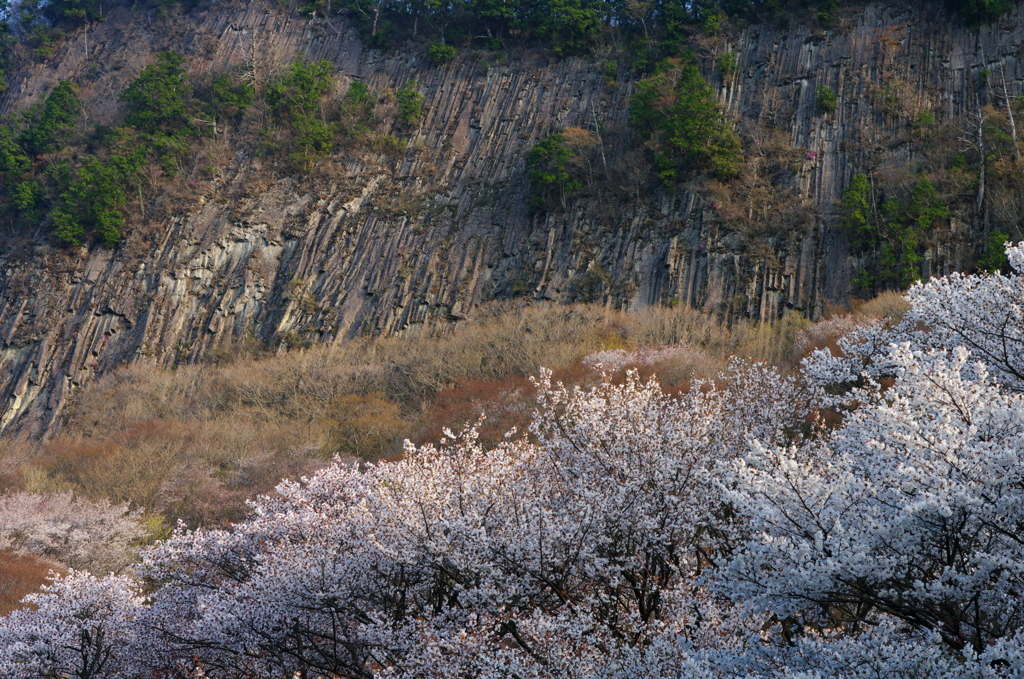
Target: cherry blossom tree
(982,312)
(914,508)
(82,627)
(550,555)
(84,534)
(903,528)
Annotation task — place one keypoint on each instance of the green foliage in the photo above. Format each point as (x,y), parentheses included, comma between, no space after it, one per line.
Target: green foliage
(548,167)
(565,27)
(14,162)
(83,191)
(711,23)
(978,11)
(25,195)
(666,171)
(313,7)
(358,96)
(922,123)
(230,99)
(998,141)
(925,209)
(440,53)
(356,114)
(50,124)
(168,149)
(295,99)
(94,203)
(300,90)
(857,213)
(826,99)
(610,70)
(410,103)
(23,192)
(161,107)
(894,239)
(678,111)
(160,98)
(994,258)
(41,21)
(164,7)
(73,12)
(728,64)
(569,26)
(906,226)
(8,41)
(898,266)
(826,11)
(313,137)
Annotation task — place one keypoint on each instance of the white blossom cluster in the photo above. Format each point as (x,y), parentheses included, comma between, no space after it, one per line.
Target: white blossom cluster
(982,313)
(82,626)
(92,535)
(722,533)
(611,360)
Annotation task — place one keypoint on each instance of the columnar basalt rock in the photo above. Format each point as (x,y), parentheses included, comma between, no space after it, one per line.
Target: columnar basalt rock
(389,245)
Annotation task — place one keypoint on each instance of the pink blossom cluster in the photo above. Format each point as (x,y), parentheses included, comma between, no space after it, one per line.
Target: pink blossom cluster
(612,360)
(92,535)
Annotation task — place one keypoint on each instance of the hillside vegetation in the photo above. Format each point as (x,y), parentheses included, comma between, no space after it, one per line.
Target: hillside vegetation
(193,444)
(362,432)
(177,179)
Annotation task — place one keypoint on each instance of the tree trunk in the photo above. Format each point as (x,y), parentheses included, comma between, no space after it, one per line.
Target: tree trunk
(600,141)
(981,152)
(1009,113)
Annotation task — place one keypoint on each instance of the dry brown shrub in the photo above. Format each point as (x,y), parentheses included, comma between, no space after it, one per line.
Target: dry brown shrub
(675,366)
(126,466)
(12,454)
(193,442)
(888,307)
(367,427)
(192,494)
(503,405)
(20,575)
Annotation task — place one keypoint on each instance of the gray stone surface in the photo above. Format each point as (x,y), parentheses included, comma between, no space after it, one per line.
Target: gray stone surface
(397,245)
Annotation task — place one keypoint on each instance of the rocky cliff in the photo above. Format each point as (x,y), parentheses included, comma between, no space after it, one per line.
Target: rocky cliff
(376,243)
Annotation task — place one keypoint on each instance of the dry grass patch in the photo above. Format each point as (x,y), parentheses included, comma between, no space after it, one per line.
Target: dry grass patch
(194,442)
(20,575)
(889,307)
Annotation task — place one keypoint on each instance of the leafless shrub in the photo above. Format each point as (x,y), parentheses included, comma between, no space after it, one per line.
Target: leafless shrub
(889,306)
(21,574)
(193,442)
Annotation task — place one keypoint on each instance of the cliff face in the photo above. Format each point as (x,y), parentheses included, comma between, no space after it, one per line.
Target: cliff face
(387,245)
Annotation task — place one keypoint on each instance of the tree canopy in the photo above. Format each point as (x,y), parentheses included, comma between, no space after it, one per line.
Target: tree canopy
(677,110)
(575,26)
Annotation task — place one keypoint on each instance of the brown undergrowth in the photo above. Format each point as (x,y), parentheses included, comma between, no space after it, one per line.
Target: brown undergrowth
(194,442)
(21,574)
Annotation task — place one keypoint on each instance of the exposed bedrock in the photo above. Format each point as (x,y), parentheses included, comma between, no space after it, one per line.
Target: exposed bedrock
(388,245)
